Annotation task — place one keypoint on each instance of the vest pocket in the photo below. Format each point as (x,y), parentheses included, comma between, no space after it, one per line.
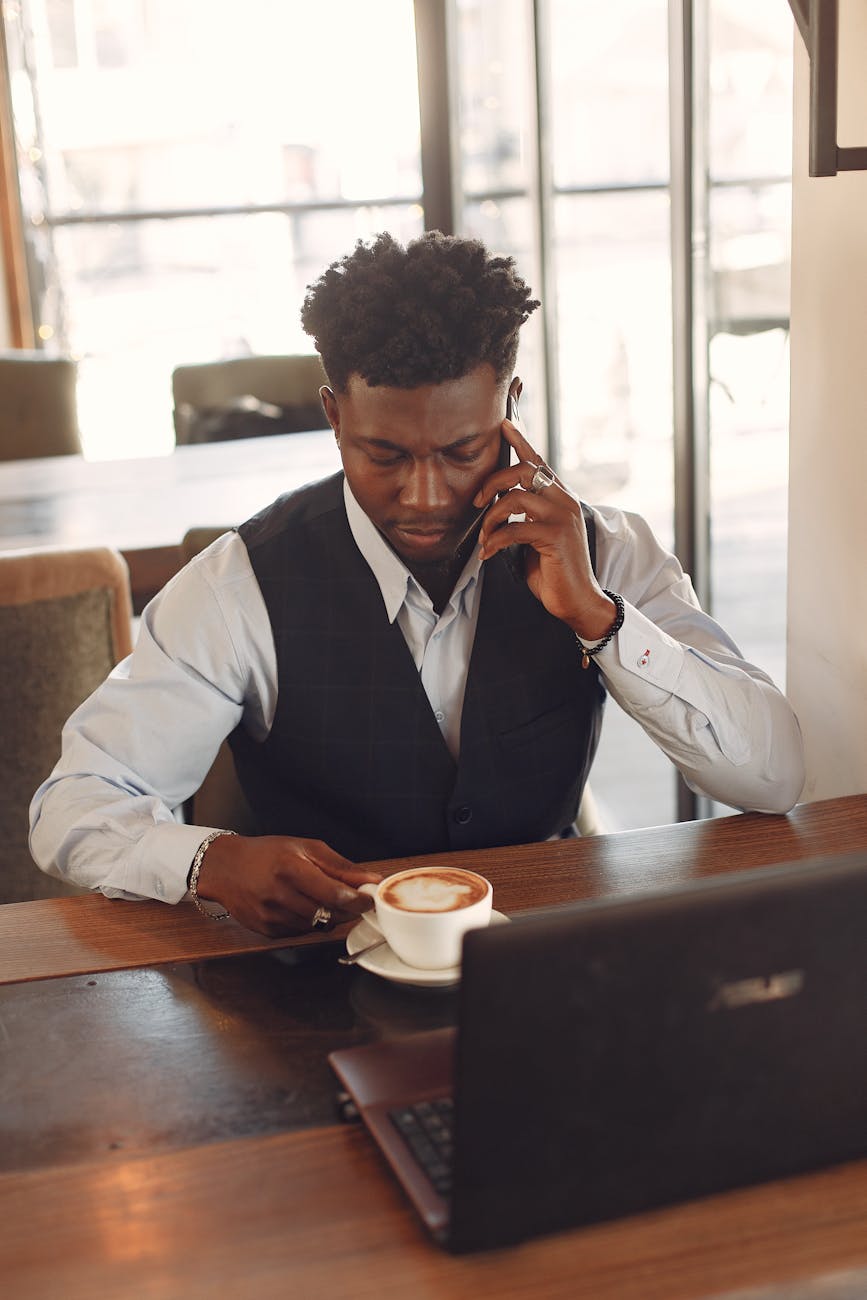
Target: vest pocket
(546,726)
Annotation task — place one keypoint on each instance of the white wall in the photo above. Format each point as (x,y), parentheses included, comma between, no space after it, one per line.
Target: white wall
(827,596)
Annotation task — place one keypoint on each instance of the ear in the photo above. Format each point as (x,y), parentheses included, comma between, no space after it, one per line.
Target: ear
(331,408)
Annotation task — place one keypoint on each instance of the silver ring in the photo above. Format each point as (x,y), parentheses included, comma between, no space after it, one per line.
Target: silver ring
(543,478)
(321,918)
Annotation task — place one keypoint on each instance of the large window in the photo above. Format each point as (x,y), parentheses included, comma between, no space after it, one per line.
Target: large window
(611,241)
(749,211)
(187,168)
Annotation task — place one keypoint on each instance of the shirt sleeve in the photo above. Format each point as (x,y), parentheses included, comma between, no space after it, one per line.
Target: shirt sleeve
(731,733)
(132,753)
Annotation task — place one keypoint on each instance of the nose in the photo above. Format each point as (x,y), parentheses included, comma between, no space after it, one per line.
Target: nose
(425,487)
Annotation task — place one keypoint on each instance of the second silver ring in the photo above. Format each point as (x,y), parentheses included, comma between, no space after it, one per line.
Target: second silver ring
(543,478)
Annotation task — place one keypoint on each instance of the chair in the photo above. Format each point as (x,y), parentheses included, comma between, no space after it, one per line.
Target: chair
(197,539)
(65,621)
(38,406)
(247,397)
(589,820)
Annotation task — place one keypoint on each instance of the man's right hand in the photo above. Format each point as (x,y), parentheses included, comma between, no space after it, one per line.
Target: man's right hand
(273,884)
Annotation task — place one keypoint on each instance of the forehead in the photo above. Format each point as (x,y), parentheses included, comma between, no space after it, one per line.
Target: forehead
(442,412)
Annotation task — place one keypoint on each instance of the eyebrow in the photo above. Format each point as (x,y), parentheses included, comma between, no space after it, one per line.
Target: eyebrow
(385,445)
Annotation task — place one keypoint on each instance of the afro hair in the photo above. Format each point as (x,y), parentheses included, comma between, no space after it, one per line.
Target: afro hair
(421,314)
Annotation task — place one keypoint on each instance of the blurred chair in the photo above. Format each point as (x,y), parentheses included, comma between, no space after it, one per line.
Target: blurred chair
(247,397)
(38,406)
(219,801)
(589,820)
(195,540)
(65,621)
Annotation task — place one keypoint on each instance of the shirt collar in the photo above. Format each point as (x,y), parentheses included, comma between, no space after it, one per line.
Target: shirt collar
(394,578)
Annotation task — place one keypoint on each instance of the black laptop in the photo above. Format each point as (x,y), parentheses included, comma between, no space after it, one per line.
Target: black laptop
(620,1054)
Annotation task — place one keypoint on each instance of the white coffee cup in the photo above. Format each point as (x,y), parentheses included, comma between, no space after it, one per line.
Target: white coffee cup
(424,913)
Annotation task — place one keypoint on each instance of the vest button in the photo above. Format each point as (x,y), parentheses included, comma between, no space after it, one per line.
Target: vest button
(463,814)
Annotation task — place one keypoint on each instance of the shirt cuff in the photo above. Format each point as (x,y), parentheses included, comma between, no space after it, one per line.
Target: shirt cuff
(160,861)
(646,662)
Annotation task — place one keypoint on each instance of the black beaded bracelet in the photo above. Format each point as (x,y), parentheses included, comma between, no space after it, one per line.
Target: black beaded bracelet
(587,654)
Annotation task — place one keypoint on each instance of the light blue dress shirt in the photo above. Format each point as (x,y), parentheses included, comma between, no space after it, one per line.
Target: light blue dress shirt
(205,662)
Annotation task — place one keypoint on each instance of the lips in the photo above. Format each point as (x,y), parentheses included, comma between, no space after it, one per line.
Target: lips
(421,538)
(423,526)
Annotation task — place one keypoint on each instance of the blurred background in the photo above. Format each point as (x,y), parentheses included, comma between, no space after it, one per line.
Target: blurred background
(187,168)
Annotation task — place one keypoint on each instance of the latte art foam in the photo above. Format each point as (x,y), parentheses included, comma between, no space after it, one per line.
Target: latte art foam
(434,890)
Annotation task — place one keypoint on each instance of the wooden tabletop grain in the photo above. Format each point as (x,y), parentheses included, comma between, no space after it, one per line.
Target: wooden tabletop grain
(166,1110)
(67,936)
(315,1214)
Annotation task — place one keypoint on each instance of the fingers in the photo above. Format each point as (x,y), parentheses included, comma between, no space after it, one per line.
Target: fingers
(553,505)
(520,475)
(340,868)
(544,538)
(320,883)
(275,884)
(516,439)
(283,908)
(528,457)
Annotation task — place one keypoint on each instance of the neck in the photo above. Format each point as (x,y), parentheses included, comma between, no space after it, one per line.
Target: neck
(438,580)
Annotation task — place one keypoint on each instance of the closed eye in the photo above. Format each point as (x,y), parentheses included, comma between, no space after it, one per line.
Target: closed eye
(462,457)
(464,452)
(381,456)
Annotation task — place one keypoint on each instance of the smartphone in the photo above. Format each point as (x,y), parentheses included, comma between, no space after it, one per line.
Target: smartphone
(516,555)
(506,447)
(512,412)
(503,461)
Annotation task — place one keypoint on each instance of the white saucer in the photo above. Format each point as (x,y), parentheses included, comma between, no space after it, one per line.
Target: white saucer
(382,961)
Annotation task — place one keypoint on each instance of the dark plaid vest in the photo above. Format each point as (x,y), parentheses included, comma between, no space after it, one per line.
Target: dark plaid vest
(355,756)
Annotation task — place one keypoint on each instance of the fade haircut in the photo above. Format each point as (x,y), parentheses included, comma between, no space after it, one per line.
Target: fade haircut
(429,312)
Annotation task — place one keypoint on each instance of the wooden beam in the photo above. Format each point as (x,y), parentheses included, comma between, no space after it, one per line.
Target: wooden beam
(817,22)
(799,9)
(12,257)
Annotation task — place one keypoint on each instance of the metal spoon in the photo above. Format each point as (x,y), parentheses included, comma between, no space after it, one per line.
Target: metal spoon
(349,959)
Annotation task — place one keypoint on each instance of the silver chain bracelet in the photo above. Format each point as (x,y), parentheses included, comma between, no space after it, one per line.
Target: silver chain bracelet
(193,878)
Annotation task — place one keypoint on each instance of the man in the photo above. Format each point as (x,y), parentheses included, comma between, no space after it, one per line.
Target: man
(410,656)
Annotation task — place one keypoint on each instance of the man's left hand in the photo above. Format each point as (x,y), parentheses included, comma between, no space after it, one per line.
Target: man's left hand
(557,559)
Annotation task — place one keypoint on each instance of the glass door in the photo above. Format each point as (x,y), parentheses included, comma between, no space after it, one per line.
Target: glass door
(565,162)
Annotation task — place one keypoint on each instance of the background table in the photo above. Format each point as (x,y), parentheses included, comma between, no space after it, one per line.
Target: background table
(167,1121)
(144,506)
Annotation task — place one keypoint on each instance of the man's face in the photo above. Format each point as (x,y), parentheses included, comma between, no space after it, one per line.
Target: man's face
(415,458)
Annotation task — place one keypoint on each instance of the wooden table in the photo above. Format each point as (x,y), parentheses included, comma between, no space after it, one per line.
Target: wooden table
(168,1126)
(144,506)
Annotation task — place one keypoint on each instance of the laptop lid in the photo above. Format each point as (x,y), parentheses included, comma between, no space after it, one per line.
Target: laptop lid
(619,1054)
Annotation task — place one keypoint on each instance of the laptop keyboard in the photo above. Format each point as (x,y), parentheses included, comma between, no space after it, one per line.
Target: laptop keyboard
(426,1127)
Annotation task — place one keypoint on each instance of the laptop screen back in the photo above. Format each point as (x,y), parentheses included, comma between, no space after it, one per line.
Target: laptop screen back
(621,1054)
